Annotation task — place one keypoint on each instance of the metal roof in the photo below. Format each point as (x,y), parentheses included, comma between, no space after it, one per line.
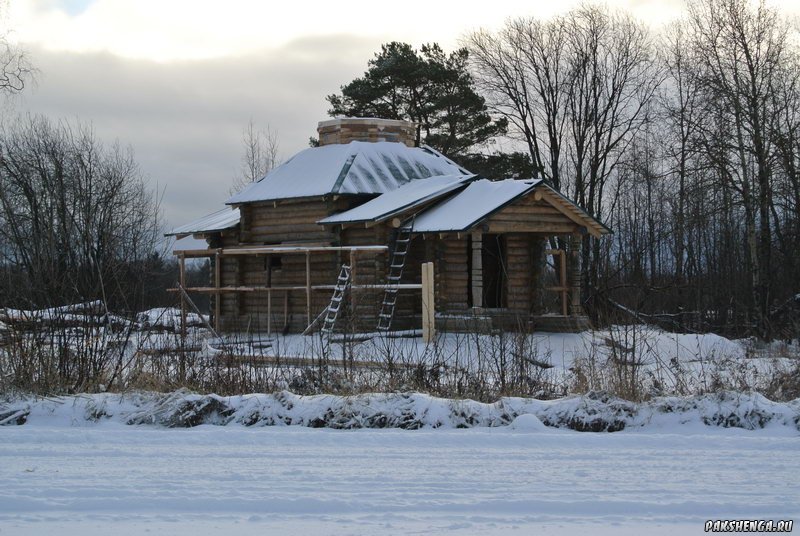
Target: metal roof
(354,168)
(216,221)
(474,203)
(403,199)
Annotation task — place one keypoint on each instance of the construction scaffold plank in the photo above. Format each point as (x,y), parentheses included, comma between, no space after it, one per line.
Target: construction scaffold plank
(263,250)
(212,290)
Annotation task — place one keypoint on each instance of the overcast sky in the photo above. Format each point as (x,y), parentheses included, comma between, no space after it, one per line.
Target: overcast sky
(177,80)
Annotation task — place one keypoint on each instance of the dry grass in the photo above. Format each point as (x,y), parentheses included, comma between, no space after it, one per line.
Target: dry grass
(627,363)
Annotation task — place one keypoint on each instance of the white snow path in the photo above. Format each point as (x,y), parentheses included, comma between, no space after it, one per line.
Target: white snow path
(121,480)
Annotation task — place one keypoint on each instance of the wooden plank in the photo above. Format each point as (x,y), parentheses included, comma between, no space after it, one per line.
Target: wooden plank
(212,290)
(477,269)
(182,278)
(285,250)
(558,219)
(575,274)
(308,287)
(428,308)
(217,295)
(432,299)
(563,283)
(548,228)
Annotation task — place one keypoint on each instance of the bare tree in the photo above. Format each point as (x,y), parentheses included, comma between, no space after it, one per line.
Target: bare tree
(523,71)
(261,154)
(78,221)
(575,90)
(15,67)
(741,52)
(680,101)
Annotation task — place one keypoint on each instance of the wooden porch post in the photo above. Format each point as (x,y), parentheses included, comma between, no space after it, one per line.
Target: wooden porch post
(477,270)
(353,302)
(428,300)
(308,288)
(269,313)
(182,280)
(217,295)
(575,241)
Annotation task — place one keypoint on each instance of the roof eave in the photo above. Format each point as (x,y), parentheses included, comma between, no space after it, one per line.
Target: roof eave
(405,208)
(489,214)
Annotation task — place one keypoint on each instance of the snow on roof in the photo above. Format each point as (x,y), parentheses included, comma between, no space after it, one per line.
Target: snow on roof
(354,168)
(216,221)
(408,196)
(468,207)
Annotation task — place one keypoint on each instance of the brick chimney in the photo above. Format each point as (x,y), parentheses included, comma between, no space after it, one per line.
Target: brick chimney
(369,129)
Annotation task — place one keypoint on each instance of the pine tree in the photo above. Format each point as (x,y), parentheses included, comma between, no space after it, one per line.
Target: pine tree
(429,87)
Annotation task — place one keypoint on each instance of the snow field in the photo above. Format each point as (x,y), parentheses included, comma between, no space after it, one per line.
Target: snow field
(521,479)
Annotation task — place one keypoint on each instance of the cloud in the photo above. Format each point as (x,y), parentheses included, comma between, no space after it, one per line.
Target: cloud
(201,29)
(184,119)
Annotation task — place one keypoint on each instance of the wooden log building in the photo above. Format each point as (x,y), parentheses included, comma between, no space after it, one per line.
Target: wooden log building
(370,200)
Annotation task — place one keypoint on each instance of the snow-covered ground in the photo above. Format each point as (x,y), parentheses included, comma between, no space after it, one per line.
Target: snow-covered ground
(83,465)
(109,478)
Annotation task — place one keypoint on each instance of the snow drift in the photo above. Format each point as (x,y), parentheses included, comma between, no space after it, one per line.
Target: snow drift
(595,412)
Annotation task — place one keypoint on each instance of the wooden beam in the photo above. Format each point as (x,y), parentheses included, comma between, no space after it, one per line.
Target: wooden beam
(353,268)
(428,307)
(217,295)
(308,287)
(575,241)
(286,250)
(477,269)
(285,310)
(238,281)
(182,280)
(269,313)
(213,290)
(546,228)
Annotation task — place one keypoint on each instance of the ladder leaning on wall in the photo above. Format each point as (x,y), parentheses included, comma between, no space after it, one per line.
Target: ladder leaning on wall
(330,313)
(337,299)
(397,263)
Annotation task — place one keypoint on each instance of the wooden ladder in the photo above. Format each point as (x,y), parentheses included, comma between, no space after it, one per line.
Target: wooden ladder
(337,299)
(397,262)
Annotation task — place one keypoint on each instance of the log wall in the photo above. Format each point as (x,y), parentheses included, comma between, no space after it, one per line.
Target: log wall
(274,224)
(523,224)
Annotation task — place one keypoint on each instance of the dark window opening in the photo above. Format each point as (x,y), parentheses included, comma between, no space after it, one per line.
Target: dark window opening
(272,264)
(470,301)
(494,281)
(493,254)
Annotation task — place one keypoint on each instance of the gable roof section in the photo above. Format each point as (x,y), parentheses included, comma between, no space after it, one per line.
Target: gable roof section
(214,222)
(407,197)
(475,203)
(482,198)
(353,168)
(567,207)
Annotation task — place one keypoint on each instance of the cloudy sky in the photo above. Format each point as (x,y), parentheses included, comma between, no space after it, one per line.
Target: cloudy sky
(177,80)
